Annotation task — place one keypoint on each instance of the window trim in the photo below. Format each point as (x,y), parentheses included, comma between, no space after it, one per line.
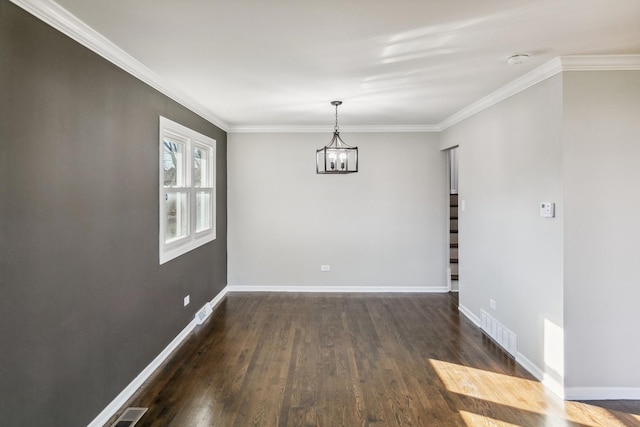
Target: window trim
(178,247)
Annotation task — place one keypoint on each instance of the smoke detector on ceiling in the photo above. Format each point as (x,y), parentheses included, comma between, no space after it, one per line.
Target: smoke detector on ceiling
(518,59)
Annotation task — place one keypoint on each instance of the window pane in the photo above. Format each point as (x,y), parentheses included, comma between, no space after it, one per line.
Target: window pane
(201,167)
(173,160)
(176,216)
(203,211)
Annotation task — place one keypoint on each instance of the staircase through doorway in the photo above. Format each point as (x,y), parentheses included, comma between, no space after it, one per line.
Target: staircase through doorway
(453,240)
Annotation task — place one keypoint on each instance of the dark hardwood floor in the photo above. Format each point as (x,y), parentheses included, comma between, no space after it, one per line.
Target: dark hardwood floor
(277,359)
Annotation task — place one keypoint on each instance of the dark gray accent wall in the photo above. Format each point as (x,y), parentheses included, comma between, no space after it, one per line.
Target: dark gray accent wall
(84,305)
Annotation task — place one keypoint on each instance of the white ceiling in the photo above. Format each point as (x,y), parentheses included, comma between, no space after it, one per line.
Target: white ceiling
(402,62)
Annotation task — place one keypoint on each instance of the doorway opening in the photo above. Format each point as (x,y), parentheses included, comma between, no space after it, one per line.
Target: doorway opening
(454,261)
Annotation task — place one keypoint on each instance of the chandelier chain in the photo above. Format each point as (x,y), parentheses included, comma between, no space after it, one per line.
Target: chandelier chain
(335,128)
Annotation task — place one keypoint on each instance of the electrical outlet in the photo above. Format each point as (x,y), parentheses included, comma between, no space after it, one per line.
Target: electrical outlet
(325,267)
(187,300)
(492,303)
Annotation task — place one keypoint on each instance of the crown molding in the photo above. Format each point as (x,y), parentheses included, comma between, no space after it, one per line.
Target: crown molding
(600,63)
(328,128)
(62,20)
(549,69)
(533,77)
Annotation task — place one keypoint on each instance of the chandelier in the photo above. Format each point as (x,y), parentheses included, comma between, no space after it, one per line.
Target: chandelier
(336,157)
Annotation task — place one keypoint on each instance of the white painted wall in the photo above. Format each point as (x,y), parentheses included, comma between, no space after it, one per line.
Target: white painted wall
(602,229)
(568,286)
(509,162)
(385,226)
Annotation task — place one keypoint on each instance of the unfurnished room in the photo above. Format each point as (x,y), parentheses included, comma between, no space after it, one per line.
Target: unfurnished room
(319,213)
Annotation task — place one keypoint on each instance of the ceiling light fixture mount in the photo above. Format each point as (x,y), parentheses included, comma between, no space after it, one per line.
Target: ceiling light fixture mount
(337,157)
(518,59)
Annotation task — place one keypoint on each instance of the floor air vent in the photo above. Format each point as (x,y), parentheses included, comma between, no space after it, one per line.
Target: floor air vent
(203,313)
(129,417)
(501,335)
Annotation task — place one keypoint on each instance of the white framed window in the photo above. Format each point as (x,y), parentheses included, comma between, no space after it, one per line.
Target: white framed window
(187,190)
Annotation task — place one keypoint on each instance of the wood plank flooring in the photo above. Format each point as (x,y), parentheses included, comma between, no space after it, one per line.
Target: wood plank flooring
(282,359)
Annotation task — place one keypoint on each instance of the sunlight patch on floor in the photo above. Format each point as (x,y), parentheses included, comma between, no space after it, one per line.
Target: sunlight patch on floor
(586,414)
(474,420)
(528,396)
(490,386)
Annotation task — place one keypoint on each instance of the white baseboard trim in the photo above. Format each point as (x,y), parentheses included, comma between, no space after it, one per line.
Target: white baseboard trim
(530,366)
(469,315)
(554,386)
(137,382)
(122,398)
(602,393)
(216,300)
(338,289)
(550,383)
